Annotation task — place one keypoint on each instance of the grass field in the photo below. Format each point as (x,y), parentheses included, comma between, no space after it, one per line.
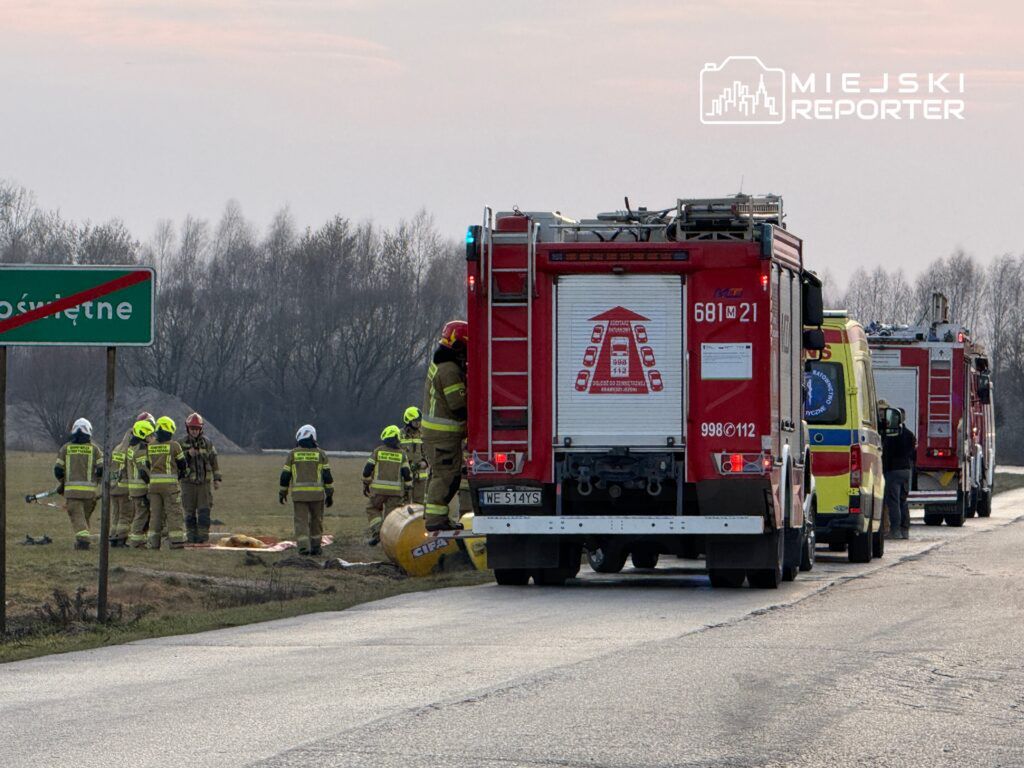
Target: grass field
(168,592)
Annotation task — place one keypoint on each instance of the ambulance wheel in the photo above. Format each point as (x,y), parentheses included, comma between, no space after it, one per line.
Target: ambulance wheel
(512,577)
(837,546)
(985,503)
(860,548)
(809,551)
(877,543)
(727,578)
(606,560)
(644,559)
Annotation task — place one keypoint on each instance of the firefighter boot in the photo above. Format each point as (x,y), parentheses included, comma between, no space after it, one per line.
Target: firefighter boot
(191,526)
(203,526)
(81,543)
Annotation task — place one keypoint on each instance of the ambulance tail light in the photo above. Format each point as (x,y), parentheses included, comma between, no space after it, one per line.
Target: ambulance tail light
(730,463)
(856,474)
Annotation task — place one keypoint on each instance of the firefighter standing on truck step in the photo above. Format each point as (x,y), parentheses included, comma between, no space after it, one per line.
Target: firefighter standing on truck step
(135,459)
(201,479)
(308,473)
(412,444)
(387,480)
(163,469)
(444,423)
(79,469)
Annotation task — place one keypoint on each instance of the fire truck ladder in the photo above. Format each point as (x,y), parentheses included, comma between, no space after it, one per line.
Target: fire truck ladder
(510,288)
(940,399)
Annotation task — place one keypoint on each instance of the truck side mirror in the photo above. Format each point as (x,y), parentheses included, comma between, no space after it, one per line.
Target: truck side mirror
(814,306)
(892,421)
(984,389)
(814,339)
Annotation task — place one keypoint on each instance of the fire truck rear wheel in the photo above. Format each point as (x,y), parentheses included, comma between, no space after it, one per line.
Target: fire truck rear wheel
(985,503)
(931,518)
(607,559)
(860,548)
(644,559)
(512,577)
(728,578)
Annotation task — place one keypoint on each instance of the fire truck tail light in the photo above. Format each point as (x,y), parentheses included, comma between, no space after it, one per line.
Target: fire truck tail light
(500,458)
(940,453)
(764,282)
(742,463)
(855,468)
(472,283)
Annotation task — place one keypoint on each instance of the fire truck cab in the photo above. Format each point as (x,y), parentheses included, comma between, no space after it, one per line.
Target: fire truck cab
(635,385)
(940,378)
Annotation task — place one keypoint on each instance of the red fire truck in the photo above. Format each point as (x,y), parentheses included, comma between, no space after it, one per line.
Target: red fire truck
(940,378)
(635,388)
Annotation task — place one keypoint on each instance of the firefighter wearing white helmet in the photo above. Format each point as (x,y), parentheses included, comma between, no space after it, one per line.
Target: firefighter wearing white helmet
(307,474)
(79,469)
(444,423)
(387,480)
(412,444)
(201,478)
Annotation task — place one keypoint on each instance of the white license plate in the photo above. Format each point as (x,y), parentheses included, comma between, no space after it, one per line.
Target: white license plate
(510,498)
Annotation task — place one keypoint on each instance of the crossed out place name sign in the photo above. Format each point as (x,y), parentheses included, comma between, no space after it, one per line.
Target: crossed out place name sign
(110,306)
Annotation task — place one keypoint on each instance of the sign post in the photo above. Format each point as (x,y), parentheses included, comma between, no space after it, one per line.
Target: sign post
(68,305)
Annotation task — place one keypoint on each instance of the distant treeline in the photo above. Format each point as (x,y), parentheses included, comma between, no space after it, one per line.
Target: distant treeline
(259,332)
(334,325)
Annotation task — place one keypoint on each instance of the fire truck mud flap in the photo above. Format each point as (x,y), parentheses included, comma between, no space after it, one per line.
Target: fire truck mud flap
(522,552)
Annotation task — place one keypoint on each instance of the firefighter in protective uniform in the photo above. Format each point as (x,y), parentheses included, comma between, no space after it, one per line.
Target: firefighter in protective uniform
(444,423)
(162,470)
(135,460)
(78,469)
(201,478)
(308,473)
(121,512)
(412,445)
(387,480)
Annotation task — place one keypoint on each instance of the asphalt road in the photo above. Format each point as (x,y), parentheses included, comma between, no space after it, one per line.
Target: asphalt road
(911,660)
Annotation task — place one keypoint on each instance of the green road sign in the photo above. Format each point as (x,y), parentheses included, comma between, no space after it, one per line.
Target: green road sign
(106,306)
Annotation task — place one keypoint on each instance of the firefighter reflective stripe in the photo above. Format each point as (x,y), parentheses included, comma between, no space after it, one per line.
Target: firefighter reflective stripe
(161,465)
(387,471)
(442,425)
(80,458)
(451,389)
(438,414)
(301,464)
(436,510)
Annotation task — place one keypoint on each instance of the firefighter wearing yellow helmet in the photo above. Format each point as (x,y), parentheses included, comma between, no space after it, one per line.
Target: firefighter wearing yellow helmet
(162,470)
(387,479)
(135,460)
(412,445)
(444,423)
(78,469)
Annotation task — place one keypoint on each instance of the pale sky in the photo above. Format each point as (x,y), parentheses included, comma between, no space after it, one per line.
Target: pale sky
(155,109)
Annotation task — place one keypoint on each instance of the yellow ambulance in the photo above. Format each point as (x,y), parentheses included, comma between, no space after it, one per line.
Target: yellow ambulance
(846,447)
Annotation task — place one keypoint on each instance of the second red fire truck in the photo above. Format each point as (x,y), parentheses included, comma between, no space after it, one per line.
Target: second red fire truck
(940,378)
(635,385)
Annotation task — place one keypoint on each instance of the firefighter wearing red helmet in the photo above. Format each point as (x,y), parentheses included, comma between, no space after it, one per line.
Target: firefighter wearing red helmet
(444,423)
(201,478)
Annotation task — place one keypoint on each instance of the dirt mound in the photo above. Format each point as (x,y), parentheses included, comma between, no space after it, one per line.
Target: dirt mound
(26,433)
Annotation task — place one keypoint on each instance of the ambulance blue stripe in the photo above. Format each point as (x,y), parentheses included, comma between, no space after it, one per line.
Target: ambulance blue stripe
(834,437)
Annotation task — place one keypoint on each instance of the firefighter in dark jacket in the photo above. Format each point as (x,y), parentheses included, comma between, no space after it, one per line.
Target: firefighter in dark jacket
(79,468)
(308,474)
(387,480)
(201,479)
(444,423)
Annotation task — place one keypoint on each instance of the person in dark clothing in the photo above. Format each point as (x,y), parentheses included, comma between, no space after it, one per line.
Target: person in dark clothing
(898,451)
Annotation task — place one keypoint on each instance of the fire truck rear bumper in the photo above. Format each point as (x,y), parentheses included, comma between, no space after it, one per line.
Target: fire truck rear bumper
(932,497)
(496,525)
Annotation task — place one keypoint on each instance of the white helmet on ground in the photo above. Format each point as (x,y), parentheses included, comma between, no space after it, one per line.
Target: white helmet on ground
(82,425)
(306,430)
